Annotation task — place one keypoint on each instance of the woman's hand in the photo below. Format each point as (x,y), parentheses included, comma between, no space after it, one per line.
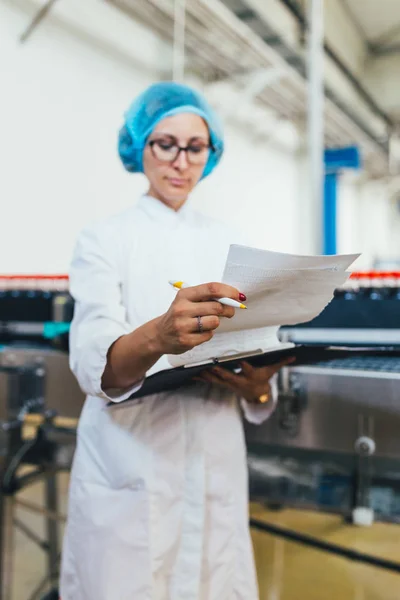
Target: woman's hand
(252,383)
(193,317)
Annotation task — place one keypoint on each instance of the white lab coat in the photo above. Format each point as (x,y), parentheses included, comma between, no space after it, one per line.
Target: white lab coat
(158,506)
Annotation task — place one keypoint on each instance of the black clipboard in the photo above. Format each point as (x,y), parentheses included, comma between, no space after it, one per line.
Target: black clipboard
(172,379)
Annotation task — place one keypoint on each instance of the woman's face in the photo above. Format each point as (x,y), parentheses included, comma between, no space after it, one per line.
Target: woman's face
(173,177)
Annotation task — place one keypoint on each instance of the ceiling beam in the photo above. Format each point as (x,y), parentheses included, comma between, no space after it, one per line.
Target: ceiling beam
(355,21)
(386,50)
(385,37)
(247,14)
(296,11)
(262,78)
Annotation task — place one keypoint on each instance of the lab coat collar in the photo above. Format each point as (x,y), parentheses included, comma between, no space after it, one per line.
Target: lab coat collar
(159,211)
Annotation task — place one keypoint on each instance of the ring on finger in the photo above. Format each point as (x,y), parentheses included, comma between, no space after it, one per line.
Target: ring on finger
(264,398)
(199,325)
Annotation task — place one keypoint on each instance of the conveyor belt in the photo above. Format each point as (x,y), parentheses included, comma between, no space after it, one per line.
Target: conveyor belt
(360,363)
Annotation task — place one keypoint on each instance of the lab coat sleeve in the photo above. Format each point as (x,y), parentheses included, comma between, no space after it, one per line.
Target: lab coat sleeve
(258,413)
(99,315)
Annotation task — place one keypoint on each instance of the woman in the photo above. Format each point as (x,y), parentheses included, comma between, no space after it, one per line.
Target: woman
(158,496)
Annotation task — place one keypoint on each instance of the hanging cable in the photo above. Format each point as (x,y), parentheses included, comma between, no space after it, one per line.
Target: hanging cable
(37,19)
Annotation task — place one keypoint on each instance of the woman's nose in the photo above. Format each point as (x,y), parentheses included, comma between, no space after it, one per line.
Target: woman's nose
(181,161)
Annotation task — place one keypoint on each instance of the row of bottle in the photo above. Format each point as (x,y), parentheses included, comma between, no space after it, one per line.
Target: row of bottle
(33,283)
(358,281)
(374,285)
(374,279)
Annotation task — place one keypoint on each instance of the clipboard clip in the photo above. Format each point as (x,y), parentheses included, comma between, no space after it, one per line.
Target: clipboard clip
(239,356)
(222,359)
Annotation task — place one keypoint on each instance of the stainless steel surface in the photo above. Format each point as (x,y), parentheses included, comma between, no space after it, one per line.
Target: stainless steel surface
(26,327)
(328,371)
(381,337)
(62,392)
(328,410)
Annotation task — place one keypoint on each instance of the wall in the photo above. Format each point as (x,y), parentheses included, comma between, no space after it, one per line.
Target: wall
(65,95)
(349,209)
(260,196)
(368,221)
(62,105)
(379,224)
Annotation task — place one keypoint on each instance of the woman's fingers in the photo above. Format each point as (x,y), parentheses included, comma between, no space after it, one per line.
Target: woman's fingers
(278,366)
(227,376)
(247,369)
(210,377)
(268,371)
(208,291)
(200,324)
(252,382)
(210,308)
(193,317)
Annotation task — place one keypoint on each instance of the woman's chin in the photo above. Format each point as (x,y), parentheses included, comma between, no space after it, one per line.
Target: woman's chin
(176,194)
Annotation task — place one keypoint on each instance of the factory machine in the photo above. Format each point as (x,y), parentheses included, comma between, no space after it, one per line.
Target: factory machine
(35,314)
(333,443)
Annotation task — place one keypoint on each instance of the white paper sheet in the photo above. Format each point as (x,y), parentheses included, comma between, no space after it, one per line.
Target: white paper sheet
(266,259)
(281,289)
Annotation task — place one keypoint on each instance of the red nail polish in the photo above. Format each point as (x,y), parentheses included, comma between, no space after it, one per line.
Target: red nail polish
(242,297)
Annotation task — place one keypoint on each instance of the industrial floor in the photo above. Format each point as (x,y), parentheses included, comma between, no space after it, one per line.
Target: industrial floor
(287,571)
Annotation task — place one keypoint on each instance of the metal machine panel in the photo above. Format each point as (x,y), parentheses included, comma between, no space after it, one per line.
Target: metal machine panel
(62,392)
(331,409)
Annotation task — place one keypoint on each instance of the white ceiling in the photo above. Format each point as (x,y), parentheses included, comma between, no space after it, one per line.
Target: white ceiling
(378,20)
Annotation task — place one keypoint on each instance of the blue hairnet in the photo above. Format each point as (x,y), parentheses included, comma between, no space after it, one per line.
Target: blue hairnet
(159,101)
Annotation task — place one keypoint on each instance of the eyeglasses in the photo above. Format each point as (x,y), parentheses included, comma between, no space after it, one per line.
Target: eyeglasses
(167,149)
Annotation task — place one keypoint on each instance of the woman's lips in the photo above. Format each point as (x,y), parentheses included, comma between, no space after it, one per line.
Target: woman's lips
(176,182)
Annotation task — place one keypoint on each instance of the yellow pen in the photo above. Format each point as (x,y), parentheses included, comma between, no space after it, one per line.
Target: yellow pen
(178,285)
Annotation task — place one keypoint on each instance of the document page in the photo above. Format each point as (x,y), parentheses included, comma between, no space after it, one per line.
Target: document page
(281,289)
(266,259)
